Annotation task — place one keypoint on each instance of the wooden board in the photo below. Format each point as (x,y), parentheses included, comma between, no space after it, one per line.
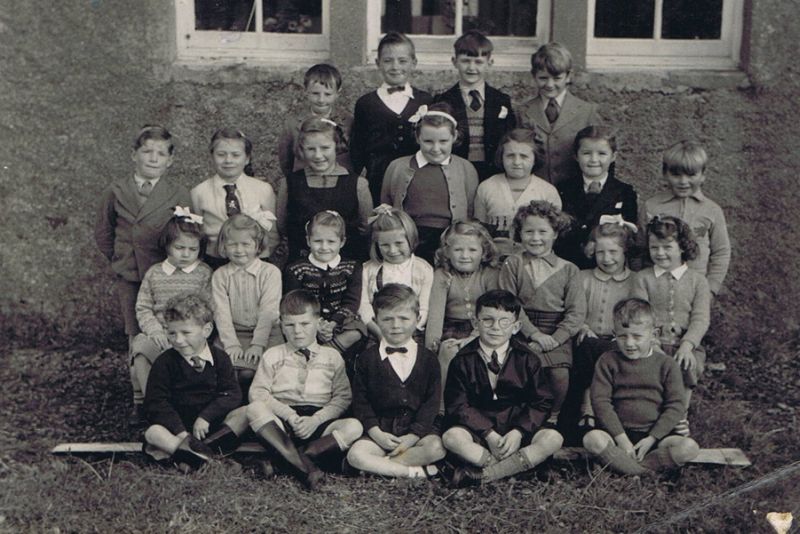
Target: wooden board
(731,457)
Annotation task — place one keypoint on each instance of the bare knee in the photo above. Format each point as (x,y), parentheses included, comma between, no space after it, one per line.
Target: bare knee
(357,453)
(548,439)
(350,430)
(595,441)
(433,447)
(684,451)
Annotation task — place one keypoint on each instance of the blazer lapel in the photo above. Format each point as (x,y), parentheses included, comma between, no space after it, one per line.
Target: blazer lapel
(128,196)
(567,113)
(162,193)
(539,118)
(607,194)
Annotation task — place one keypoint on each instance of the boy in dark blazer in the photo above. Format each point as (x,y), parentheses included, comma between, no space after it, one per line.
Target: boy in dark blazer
(483,113)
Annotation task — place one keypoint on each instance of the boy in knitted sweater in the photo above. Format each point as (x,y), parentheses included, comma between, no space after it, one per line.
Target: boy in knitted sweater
(637,395)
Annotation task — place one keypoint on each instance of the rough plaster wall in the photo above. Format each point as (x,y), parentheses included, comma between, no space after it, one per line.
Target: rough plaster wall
(78,81)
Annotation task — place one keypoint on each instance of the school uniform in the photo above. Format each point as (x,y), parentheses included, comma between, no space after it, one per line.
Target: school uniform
(481,401)
(557,138)
(382,134)
(615,198)
(491,121)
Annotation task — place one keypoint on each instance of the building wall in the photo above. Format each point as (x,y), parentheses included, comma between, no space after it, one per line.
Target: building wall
(79,77)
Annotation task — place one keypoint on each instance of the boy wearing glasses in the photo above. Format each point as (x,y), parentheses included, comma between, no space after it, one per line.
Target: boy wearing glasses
(494,401)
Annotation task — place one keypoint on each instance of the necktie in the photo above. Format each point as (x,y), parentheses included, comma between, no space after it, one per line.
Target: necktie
(305,352)
(395,89)
(551,111)
(494,364)
(231,202)
(392,350)
(146,188)
(475,103)
(197,363)
(594,188)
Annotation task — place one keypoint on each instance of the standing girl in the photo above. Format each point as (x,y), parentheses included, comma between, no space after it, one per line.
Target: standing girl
(680,297)
(247,292)
(325,185)
(466,268)
(232,190)
(433,186)
(499,197)
(550,293)
(394,239)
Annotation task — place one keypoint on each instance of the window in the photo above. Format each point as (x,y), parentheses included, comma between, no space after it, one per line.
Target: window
(516,27)
(277,31)
(664,33)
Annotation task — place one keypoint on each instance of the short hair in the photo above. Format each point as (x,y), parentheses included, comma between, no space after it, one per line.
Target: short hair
(499,299)
(393,296)
(240,221)
(392,219)
(396,39)
(323,74)
(182,225)
(623,235)
(519,135)
(437,120)
(684,157)
(669,227)
(553,58)
(314,125)
(236,135)
(595,132)
(557,219)
(473,43)
(328,218)
(189,307)
(155,133)
(298,302)
(633,311)
(467,228)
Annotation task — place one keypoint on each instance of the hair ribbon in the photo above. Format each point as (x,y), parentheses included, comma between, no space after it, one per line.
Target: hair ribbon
(619,221)
(265,218)
(186,213)
(423,112)
(383,209)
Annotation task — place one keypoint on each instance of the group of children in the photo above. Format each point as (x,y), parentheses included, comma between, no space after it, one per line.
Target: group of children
(409,288)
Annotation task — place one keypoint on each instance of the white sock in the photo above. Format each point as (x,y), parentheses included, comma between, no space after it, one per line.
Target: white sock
(415,471)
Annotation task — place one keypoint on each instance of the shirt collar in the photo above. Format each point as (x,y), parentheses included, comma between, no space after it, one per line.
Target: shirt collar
(313,349)
(602,181)
(330,265)
(698,196)
(383,91)
(168,268)
(204,354)
(338,170)
(421,161)
(559,100)
(254,268)
(486,352)
(481,88)
(605,277)
(677,273)
(140,181)
(221,183)
(398,266)
(410,345)
(550,258)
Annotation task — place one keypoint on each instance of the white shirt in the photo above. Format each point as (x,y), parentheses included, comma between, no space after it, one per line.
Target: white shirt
(140,181)
(395,101)
(168,268)
(397,273)
(402,363)
(602,181)
(559,100)
(204,354)
(676,273)
(325,266)
(486,353)
(481,88)
(421,161)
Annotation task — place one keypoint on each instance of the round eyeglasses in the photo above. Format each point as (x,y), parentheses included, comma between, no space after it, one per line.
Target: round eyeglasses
(503,322)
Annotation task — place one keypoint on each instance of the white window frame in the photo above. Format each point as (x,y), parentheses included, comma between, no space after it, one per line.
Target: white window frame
(227,46)
(658,53)
(511,53)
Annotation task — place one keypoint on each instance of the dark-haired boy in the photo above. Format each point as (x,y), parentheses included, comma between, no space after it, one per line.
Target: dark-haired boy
(483,113)
(494,401)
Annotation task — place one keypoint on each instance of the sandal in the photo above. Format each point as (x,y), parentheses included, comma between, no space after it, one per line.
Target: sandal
(587,422)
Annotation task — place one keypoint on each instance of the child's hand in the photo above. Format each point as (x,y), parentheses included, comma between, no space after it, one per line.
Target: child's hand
(643,447)
(385,440)
(406,442)
(509,444)
(200,429)
(495,442)
(235,353)
(547,343)
(253,353)
(624,443)
(161,341)
(585,332)
(325,330)
(685,356)
(304,427)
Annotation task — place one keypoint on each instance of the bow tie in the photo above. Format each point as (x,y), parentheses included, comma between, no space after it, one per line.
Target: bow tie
(392,350)
(396,89)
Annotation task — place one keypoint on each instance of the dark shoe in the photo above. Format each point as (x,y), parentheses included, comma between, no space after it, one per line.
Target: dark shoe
(192,452)
(466,476)
(136,418)
(321,447)
(224,441)
(282,447)
(265,468)
(348,470)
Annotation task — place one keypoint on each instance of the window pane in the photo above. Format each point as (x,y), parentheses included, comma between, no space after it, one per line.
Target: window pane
(428,17)
(630,19)
(501,17)
(293,16)
(692,19)
(224,15)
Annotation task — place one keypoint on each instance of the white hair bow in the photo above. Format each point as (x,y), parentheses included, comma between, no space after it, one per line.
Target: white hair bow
(186,213)
(422,111)
(618,220)
(265,218)
(382,209)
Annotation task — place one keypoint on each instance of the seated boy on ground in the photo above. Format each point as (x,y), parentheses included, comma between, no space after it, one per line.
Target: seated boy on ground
(493,399)
(637,396)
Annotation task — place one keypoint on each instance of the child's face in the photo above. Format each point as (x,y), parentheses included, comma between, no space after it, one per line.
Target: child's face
(435,143)
(465,252)
(240,247)
(183,251)
(609,255)
(321,98)
(396,63)
(537,236)
(518,160)
(152,159)
(300,330)
(472,70)
(188,336)
(666,253)
(551,85)
(594,157)
(324,243)
(495,327)
(319,151)
(393,246)
(230,158)
(635,340)
(397,324)
(685,185)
